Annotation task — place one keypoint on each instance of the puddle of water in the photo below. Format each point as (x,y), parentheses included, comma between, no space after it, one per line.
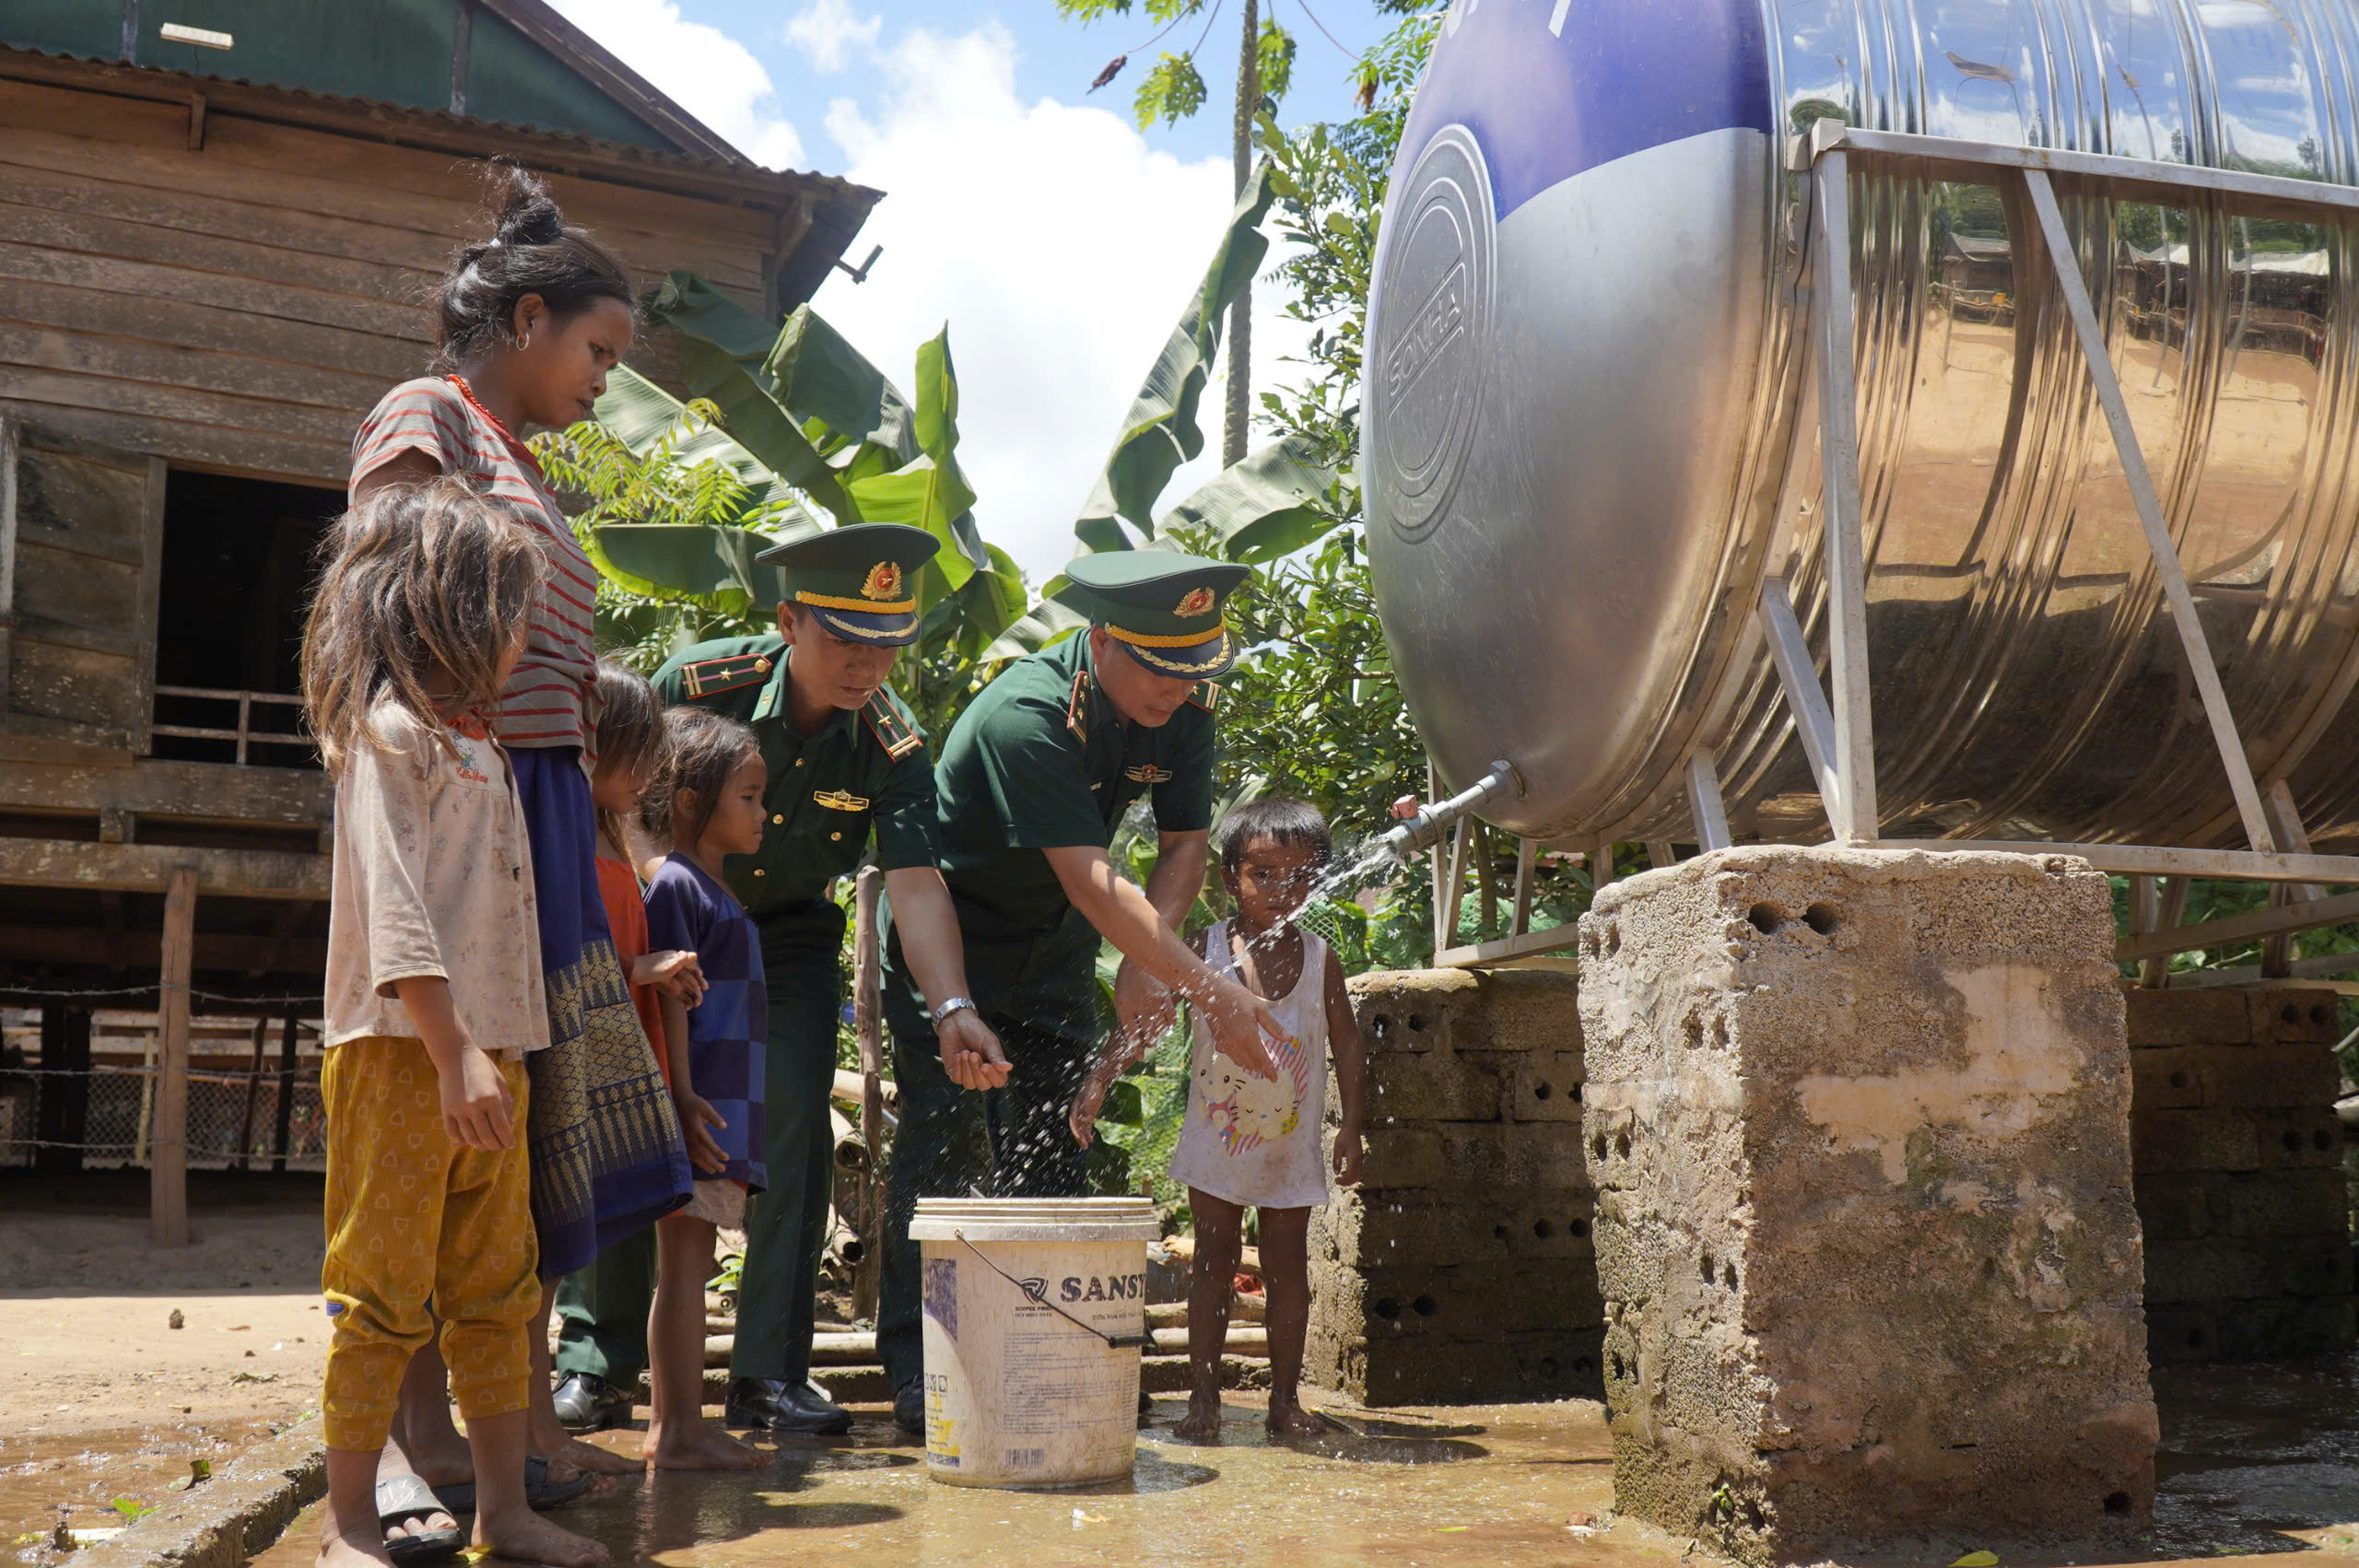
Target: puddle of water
(2255,1461)
(78,1476)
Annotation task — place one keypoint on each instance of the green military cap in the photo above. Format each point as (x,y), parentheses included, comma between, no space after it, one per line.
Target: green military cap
(1168,611)
(859,581)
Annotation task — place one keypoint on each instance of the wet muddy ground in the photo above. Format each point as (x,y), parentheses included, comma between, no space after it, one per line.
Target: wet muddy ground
(2254,1461)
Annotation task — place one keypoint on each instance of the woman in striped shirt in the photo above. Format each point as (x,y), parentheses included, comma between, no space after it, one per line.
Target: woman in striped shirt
(529,322)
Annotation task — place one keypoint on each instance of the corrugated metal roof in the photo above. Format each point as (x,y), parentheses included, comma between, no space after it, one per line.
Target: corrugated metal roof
(620,152)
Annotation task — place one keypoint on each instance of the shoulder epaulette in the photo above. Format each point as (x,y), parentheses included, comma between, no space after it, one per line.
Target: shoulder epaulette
(710,678)
(1077,706)
(892,732)
(1205,695)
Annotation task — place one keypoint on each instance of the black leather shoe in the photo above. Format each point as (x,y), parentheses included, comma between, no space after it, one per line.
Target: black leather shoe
(824,1415)
(778,1406)
(909,1406)
(587,1402)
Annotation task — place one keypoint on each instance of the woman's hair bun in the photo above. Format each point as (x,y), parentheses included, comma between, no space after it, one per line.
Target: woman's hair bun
(523,213)
(531,250)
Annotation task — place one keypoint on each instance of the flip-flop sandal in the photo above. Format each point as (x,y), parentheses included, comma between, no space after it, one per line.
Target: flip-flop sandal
(406,1499)
(539,1490)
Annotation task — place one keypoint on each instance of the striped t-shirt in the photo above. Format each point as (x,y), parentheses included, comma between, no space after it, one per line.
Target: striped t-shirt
(550,700)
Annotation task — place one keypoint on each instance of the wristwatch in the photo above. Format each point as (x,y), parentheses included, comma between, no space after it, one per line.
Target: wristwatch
(951,1005)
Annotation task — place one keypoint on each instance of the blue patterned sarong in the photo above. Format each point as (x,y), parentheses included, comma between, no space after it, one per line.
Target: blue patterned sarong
(606,1144)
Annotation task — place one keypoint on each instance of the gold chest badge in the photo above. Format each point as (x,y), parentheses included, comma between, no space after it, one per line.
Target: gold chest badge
(1147,773)
(840,799)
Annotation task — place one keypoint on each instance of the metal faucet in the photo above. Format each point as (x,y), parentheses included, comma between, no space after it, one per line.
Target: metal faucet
(1424,830)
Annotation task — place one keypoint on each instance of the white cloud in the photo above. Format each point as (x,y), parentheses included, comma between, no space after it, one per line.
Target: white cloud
(827,31)
(712,75)
(1060,247)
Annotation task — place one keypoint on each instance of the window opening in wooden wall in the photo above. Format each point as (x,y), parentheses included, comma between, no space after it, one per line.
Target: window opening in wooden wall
(238,566)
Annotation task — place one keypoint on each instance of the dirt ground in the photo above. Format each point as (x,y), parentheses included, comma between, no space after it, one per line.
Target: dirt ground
(102,1396)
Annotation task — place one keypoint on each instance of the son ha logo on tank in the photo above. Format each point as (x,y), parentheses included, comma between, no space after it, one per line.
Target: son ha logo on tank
(1431,331)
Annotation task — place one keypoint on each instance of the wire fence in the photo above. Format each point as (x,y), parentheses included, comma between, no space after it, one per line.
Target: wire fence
(88,1099)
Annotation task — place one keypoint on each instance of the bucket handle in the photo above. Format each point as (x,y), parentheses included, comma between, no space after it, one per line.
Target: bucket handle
(1038,1295)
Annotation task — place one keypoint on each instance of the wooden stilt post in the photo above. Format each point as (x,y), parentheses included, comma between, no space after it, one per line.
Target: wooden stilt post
(868,1027)
(287,1049)
(167,1141)
(254,1094)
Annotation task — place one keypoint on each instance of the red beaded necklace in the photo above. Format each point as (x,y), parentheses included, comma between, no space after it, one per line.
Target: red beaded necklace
(523,452)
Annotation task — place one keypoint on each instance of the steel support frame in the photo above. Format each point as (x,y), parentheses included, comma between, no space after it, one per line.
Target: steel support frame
(1838,734)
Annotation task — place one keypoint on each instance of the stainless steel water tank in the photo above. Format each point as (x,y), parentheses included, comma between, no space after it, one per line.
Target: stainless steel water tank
(1586,362)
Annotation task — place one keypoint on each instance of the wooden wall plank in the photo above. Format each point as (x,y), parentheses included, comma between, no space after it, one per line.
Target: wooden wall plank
(145,868)
(213,793)
(190,443)
(162,365)
(102,187)
(36,264)
(31,224)
(177,323)
(73,390)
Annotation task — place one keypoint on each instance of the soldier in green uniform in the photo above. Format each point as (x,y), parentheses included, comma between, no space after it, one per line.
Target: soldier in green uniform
(845,760)
(1032,782)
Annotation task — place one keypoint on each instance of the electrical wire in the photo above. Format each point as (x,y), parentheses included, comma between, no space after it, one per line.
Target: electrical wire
(1210,19)
(1178,17)
(1304,7)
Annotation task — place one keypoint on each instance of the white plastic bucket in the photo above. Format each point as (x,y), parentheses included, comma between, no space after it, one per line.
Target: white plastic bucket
(1017,1392)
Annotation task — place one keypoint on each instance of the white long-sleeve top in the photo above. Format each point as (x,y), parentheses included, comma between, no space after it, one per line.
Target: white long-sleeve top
(432,876)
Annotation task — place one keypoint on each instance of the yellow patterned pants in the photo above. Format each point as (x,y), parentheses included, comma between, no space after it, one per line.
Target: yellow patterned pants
(421,1228)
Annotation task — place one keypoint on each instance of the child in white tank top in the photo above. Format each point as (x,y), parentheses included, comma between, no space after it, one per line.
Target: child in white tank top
(1251,1141)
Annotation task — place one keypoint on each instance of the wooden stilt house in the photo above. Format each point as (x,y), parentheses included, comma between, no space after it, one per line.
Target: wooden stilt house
(220,220)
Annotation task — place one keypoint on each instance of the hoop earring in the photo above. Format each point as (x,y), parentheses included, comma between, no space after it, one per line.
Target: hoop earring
(525,341)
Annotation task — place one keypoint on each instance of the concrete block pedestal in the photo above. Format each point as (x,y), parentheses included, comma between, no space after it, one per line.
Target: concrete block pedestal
(1462,1271)
(1859,1123)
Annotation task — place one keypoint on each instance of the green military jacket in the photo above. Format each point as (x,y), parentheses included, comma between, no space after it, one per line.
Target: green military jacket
(1041,760)
(865,771)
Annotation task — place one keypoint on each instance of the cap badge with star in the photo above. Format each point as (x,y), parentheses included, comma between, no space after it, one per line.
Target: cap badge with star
(857,579)
(1167,610)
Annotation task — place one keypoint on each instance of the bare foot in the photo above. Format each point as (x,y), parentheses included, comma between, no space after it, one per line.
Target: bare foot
(1293,1421)
(1201,1424)
(527,1535)
(360,1549)
(566,1451)
(698,1446)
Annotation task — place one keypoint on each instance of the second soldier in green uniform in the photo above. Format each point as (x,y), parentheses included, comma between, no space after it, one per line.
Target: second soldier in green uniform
(845,761)
(1032,782)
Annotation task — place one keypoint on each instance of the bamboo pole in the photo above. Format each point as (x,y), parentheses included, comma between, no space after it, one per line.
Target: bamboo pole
(168,1148)
(868,1027)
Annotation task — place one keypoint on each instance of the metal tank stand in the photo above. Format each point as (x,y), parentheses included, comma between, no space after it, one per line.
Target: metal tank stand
(1838,736)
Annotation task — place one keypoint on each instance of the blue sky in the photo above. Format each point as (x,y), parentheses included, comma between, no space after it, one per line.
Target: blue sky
(1057,241)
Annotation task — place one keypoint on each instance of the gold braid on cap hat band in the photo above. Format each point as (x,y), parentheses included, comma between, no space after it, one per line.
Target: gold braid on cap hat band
(1160,663)
(1186,640)
(829,602)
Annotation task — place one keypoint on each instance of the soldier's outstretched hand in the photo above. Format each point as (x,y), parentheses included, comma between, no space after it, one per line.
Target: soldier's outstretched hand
(971,1053)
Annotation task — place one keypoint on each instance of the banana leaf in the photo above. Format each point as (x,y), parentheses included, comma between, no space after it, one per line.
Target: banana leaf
(930,491)
(1160,432)
(751,413)
(973,617)
(821,376)
(640,414)
(1264,507)
(1048,623)
(713,563)
(726,351)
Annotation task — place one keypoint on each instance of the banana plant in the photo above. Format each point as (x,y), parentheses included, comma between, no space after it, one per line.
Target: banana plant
(1268,505)
(812,430)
